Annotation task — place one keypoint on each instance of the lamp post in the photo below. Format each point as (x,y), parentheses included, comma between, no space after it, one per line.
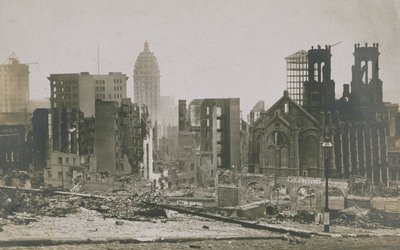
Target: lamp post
(326,146)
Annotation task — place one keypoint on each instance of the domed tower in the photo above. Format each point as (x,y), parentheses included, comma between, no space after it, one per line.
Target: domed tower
(146,77)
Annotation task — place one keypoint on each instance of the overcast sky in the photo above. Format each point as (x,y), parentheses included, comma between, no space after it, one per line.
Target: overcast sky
(206,48)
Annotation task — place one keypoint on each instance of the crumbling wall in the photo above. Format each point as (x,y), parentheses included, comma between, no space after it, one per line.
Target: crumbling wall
(303,193)
(228,196)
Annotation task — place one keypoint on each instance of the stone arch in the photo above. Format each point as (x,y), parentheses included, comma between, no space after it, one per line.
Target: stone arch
(336,191)
(255,191)
(279,192)
(306,197)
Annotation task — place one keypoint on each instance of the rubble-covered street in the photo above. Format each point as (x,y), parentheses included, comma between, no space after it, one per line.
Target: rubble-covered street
(61,221)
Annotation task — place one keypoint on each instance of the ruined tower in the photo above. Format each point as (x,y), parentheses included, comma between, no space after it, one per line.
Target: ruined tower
(366,87)
(319,90)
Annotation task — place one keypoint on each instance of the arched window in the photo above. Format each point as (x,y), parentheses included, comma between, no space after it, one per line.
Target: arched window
(321,71)
(311,151)
(277,150)
(369,71)
(364,72)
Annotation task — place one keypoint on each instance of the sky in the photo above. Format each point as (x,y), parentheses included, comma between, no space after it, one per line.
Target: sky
(205,48)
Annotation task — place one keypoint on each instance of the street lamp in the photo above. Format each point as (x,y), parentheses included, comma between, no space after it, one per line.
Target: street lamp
(326,146)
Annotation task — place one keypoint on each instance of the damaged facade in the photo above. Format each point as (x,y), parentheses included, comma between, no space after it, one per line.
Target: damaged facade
(286,139)
(72,148)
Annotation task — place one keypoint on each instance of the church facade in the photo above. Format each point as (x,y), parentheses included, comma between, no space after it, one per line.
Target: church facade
(286,139)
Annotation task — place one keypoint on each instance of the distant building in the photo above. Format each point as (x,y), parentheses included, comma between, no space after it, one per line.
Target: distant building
(167,117)
(111,87)
(146,76)
(81,90)
(14,86)
(14,92)
(296,75)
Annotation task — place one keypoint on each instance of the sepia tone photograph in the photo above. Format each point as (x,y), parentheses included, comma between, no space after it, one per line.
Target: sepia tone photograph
(188,124)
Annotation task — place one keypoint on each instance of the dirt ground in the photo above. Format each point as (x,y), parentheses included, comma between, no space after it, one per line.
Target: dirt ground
(89,224)
(372,243)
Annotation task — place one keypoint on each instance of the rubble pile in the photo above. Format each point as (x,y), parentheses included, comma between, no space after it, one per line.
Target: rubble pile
(17,201)
(128,207)
(367,218)
(22,207)
(304,217)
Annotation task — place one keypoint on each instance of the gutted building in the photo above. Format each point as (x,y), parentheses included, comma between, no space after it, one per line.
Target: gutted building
(286,138)
(296,75)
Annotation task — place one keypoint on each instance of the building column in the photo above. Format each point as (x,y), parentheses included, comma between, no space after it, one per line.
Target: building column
(379,146)
(357,166)
(372,176)
(334,156)
(364,153)
(296,158)
(371,155)
(341,152)
(349,152)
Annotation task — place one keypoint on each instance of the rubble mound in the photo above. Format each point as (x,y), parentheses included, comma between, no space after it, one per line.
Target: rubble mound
(367,218)
(13,202)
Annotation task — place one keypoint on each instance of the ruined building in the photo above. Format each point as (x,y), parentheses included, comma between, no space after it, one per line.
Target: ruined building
(13,148)
(392,116)
(123,139)
(69,146)
(226,132)
(296,75)
(56,143)
(286,139)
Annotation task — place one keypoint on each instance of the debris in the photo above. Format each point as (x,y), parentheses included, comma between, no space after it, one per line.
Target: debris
(119,223)
(304,216)
(48,203)
(272,209)
(206,227)
(194,246)
(367,218)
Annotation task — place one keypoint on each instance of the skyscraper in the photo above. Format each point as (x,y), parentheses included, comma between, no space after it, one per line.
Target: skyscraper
(146,76)
(296,75)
